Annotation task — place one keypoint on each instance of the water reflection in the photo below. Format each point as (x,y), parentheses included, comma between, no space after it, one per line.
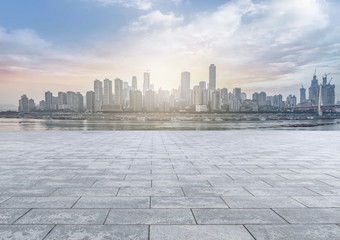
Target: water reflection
(100,125)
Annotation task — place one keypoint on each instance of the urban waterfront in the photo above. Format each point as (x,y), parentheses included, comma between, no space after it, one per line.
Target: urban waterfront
(17,124)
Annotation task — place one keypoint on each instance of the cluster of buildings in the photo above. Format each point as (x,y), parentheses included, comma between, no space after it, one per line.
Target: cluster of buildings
(118,95)
(326,89)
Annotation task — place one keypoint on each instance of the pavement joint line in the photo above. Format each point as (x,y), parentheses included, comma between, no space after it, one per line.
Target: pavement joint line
(49,232)
(280,216)
(21,216)
(107,215)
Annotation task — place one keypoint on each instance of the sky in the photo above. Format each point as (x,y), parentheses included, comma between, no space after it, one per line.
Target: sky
(270,45)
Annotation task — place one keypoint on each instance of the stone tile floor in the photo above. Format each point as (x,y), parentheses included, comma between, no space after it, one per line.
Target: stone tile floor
(164,185)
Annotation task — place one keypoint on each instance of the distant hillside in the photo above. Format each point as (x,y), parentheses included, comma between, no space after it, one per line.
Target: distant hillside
(8,107)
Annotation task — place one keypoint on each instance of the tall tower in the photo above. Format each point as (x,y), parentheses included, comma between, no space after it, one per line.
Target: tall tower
(212,77)
(108,95)
(302,94)
(185,87)
(134,83)
(314,91)
(90,101)
(48,100)
(146,83)
(118,92)
(98,90)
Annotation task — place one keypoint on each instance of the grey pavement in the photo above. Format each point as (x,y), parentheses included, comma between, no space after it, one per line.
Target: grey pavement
(170,185)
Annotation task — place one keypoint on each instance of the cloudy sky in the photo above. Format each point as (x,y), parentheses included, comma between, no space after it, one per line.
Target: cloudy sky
(270,45)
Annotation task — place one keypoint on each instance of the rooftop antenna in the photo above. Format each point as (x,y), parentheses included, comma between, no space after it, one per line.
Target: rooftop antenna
(315,72)
(302,85)
(330,80)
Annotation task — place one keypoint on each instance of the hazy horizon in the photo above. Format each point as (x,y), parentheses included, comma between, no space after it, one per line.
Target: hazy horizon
(64,45)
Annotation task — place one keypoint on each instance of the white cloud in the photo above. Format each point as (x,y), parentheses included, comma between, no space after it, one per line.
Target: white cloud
(155,20)
(250,41)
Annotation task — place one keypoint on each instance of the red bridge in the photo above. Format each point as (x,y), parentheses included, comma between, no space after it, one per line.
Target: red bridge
(314,107)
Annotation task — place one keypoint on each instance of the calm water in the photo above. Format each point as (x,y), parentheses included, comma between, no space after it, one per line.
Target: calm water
(95,125)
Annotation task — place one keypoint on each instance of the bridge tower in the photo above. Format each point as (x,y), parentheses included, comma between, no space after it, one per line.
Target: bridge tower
(320,101)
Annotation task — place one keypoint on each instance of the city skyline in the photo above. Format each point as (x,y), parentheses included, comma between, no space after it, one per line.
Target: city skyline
(117,95)
(257,45)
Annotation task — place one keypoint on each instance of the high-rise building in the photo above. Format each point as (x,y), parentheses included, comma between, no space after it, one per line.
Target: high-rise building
(78,102)
(260,98)
(224,98)
(291,101)
(23,104)
(48,100)
(70,99)
(136,100)
(146,83)
(90,101)
(108,95)
(118,92)
(197,95)
(212,77)
(62,99)
(216,100)
(185,88)
(314,91)
(134,83)
(327,92)
(98,90)
(203,85)
(302,94)
(237,93)
(150,101)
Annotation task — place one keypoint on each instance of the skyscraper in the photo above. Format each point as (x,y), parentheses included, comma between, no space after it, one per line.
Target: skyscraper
(314,91)
(136,100)
(48,100)
(212,77)
(98,90)
(302,94)
(185,87)
(134,83)
(23,104)
(118,92)
(108,95)
(150,100)
(146,83)
(328,92)
(90,101)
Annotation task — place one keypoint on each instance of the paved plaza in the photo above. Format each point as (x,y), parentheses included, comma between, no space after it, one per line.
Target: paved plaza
(170,185)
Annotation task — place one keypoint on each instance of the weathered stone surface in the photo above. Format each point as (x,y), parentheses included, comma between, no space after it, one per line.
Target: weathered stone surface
(180,185)
(301,232)
(99,232)
(202,232)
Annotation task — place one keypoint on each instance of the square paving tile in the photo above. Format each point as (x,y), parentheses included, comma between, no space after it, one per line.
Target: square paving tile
(8,216)
(113,202)
(202,232)
(64,216)
(301,232)
(187,202)
(262,202)
(22,232)
(64,232)
(310,215)
(89,192)
(237,216)
(150,216)
(151,192)
(319,201)
(208,192)
(39,202)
